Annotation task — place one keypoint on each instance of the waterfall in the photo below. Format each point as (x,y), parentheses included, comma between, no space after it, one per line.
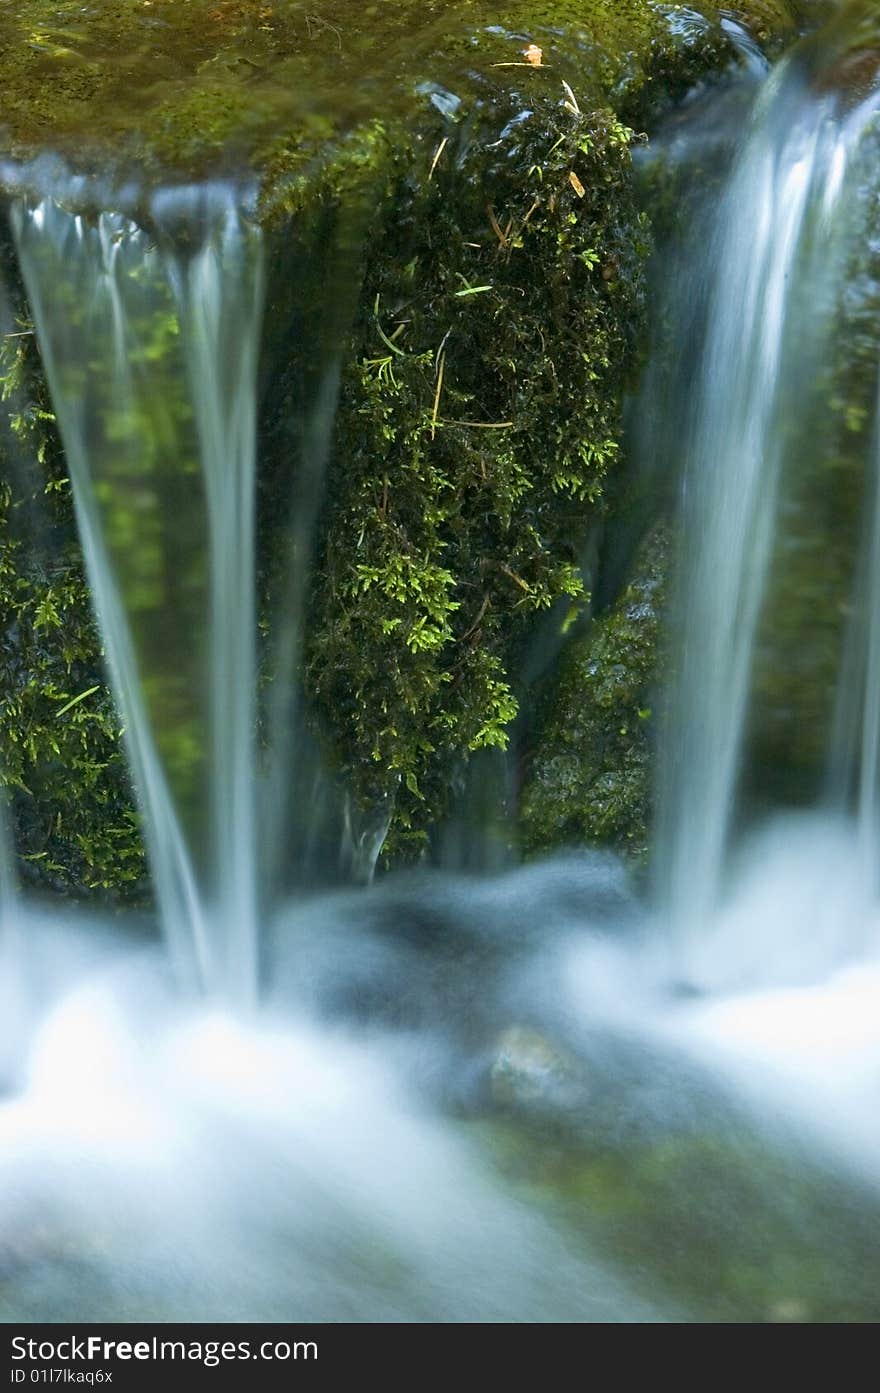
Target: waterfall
(774,264)
(150,343)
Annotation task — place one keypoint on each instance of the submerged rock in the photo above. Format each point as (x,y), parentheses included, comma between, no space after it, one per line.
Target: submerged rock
(529,1070)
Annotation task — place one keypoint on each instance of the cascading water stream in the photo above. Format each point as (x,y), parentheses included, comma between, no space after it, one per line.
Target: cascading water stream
(219,292)
(775,266)
(150,344)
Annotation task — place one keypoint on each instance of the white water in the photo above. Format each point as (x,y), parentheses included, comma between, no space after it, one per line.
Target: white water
(790,1020)
(176,1164)
(10,959)
(185,1166)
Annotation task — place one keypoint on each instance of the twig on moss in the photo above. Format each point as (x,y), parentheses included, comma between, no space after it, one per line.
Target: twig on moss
(527,218)
(441,365)
(503,234)
(75,701)
(383,336)
(523,585)
(438,152)
(478,621)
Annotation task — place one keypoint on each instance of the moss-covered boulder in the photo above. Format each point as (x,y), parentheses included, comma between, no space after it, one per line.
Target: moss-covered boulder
(589,777)
(471,184)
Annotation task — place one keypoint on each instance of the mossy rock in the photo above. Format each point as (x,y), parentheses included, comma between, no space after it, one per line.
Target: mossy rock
(589,775)
(185,82)
(717,1217)
(481,221)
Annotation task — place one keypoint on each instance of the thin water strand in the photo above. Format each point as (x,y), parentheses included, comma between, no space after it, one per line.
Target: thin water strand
(219,292)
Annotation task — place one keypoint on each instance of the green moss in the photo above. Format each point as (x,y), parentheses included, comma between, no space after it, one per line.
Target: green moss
(479,419)
(589,776)
(60,753)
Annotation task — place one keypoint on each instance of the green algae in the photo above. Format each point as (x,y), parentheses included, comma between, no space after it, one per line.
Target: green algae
(181,82)
(719,1218)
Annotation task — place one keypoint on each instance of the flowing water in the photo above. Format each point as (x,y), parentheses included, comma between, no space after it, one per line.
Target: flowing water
(162,449)
(778,257)
(528,1096)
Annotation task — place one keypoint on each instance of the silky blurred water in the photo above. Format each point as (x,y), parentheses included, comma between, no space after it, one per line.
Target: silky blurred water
(541,1095)
(775,269)
(150,342)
